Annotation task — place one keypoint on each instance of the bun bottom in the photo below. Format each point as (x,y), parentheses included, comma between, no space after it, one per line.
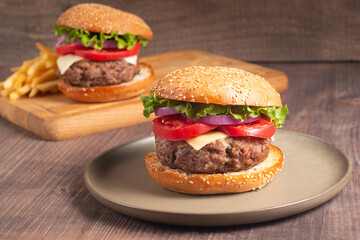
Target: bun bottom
(232,182)
(141,82)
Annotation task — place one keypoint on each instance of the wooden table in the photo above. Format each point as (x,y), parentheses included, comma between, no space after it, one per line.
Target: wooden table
(42,191)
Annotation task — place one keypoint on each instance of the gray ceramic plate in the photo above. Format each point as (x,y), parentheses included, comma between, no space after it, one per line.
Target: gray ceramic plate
(314,172)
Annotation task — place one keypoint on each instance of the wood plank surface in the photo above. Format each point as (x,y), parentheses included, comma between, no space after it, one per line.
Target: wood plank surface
(56,117)
(43,195)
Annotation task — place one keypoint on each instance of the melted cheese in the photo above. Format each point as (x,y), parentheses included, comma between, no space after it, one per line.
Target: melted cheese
(200,141)
(65,61)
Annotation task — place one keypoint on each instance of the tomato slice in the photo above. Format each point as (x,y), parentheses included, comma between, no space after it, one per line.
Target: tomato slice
(97,55)
(177,127)
(262,128)
(107,54)
(69,48)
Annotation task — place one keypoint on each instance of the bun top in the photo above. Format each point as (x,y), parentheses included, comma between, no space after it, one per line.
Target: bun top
(104,19)
(217,85)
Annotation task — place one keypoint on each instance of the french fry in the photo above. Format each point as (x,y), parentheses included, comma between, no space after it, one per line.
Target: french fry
(33,76)
(42,48)
(46,55)
(5,92)
(50,63)
(18,82)
(8,83)
(27,64)
(47,86)
(46,76)
(23,90)
(33,92)
(14,96)
(35,68)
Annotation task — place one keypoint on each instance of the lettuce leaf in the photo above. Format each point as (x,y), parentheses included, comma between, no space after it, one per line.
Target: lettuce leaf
(87,38)
(197,110)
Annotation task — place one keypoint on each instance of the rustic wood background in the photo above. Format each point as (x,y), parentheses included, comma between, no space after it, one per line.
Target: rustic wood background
(317,43)
(257,30)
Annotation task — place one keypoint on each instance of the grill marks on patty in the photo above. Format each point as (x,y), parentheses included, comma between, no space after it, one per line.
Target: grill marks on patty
(88,73)
(231,154)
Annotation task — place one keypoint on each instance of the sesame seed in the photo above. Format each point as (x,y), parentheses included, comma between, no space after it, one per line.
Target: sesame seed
(191,84)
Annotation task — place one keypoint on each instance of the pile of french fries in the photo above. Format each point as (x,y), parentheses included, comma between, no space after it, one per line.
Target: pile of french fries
(33,77)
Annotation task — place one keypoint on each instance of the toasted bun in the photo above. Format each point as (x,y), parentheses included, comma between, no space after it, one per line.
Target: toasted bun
(103,19)
(234,182)
(218,85)
(142,82)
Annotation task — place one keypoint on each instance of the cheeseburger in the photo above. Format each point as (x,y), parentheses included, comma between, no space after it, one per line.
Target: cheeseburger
(213,130)
(98,47)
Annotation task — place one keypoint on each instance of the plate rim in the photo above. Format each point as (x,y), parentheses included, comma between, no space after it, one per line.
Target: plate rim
(332,191)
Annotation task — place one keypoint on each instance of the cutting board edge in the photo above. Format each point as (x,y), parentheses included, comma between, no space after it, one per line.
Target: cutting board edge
(23,118)
(50,128)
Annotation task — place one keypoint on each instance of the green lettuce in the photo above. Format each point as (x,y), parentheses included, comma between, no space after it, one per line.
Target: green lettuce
(87,38)
(197,110)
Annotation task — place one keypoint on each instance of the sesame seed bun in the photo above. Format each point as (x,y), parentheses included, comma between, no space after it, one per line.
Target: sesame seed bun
(232,182)
(217,85)
(141,82)
(104,19)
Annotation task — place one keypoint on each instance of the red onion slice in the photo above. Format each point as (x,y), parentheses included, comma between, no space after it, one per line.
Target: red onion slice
(209,119)
(60,39)
(110,44)
(162,111)
(107,44)
(223,120)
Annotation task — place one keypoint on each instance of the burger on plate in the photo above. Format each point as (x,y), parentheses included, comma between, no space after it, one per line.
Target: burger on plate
(213,130)
(99,47)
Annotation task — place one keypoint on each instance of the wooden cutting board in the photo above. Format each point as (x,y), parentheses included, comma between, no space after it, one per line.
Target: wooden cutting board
(55,117)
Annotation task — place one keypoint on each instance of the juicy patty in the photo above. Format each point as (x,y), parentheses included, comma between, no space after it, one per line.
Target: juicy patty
(225,155)
(87,73)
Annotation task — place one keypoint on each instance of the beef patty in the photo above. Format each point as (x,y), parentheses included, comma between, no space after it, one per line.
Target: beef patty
(87,73)
(224,155)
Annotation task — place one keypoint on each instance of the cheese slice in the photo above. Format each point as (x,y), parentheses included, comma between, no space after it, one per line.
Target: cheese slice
(200,141)
(132,60)
(64,62)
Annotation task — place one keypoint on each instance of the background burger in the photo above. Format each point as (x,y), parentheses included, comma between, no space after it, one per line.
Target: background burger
(213,131)
(99,48)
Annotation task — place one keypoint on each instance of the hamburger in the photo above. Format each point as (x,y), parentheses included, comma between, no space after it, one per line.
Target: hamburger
(99,47)
(213,130)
